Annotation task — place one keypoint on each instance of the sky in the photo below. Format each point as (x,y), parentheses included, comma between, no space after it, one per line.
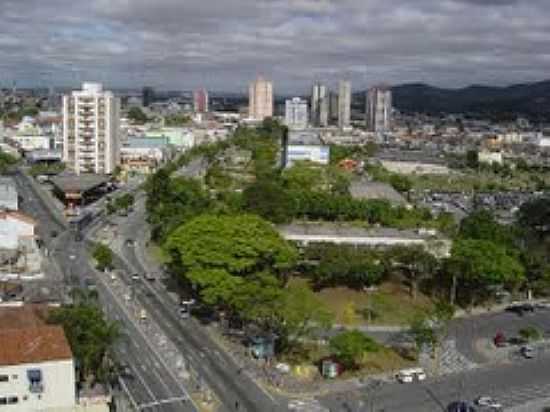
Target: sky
(223,44)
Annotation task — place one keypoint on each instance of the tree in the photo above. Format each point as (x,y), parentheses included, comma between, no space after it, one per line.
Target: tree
(103,256)
(6,160)
(481,225)
(534,216)
(218,253)
(472,159)
(415,263)
(400,183)
(477,264)
(268,199)
(350,346)
(531,333)
(137,115)
(301,313)
(344,265)
(89,334)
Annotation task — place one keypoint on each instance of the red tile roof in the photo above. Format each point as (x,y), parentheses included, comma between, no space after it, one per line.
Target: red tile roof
(33,345)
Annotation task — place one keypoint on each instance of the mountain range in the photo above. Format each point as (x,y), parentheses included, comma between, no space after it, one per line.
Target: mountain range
(531,100)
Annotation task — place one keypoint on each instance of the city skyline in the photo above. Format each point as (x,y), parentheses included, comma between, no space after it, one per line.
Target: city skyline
(169,45)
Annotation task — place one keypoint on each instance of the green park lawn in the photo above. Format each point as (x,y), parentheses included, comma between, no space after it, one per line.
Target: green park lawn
(390,304)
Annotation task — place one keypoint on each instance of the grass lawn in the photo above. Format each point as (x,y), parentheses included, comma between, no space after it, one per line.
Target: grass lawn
(389,305)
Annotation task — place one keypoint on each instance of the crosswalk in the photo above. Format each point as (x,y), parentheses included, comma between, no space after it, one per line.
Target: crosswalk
(519,396)
(306,405)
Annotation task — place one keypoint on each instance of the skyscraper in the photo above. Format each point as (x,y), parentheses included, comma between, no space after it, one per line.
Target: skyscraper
(319,105)
(296,113)
(333,107)
(378,109)
(260,99)
(200,100)
(344,104)
(148,96)
(90,130)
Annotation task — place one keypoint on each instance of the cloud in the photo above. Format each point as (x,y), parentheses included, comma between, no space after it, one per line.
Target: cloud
(224,44)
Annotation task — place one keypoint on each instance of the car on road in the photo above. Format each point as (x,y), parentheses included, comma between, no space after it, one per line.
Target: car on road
(488,402)
(410,375)
(130,243)
(135,276)
(461,406)
(90,284)
(528,352)
(500,340)
(151,277)
(53,233)
(521,308)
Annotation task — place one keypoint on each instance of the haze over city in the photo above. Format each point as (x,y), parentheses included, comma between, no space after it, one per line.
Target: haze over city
(173,44)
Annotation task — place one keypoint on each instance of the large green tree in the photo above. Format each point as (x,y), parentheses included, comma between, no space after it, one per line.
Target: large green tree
(218,253)
(482,225)
(268,199)
(478,264)
(103,256)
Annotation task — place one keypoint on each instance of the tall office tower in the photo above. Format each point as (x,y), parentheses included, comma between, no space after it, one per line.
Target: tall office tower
(378,109)
(260,99)
(333,107)
(296,113)
(148,96)
(91,130)
(319,105)
(344,104)
(200,100)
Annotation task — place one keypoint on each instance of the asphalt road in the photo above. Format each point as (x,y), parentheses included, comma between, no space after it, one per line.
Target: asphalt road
(152,384)
(217,369)
(512,384)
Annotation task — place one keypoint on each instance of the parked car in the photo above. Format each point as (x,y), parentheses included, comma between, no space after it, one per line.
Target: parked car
(527,352)
(130,243)
(151,277)
(461,406)
(135,276)
(521,308)
(488,402)
(500,340)
(410,375)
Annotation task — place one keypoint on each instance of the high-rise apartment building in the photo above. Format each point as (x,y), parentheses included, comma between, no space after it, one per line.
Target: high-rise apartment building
(147,96)
(378,109)
(260,99)
(344,104)
(333,107)
(319,105)
(200,100)
(296,113)
(91,130)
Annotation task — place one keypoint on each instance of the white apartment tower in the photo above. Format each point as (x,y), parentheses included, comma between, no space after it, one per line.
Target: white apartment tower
(296,113)
(260,99)
(319,105)
(91,130)
(379,109)
(344,104)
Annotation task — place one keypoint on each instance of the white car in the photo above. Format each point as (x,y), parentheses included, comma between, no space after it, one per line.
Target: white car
(488,402)
(411,375)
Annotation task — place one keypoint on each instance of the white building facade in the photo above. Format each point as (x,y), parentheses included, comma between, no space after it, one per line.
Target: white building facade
(296,113)
(260,99)
(91,119)
(36,371)
(344,104)
(379,109)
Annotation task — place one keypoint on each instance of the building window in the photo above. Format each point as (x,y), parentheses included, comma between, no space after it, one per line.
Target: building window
(3,401)
(12,400)
(4,378)
(14,377)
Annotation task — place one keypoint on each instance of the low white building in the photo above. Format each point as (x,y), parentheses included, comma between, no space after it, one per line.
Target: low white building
(36,370)
(15,227)
(488,157)
(306,233)
(305,146)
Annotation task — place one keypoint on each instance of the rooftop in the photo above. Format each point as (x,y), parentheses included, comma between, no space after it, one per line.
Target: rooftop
(82,183)
(17,215)
(33,345)
(304,138)
(23,317)
(365,189)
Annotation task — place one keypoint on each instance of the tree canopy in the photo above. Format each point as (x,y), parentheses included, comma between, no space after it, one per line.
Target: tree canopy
(89,334)
(137,115)
(217,252)
(350,346)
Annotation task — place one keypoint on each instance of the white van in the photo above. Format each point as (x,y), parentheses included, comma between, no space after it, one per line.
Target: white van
(143,314)
(410,375)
